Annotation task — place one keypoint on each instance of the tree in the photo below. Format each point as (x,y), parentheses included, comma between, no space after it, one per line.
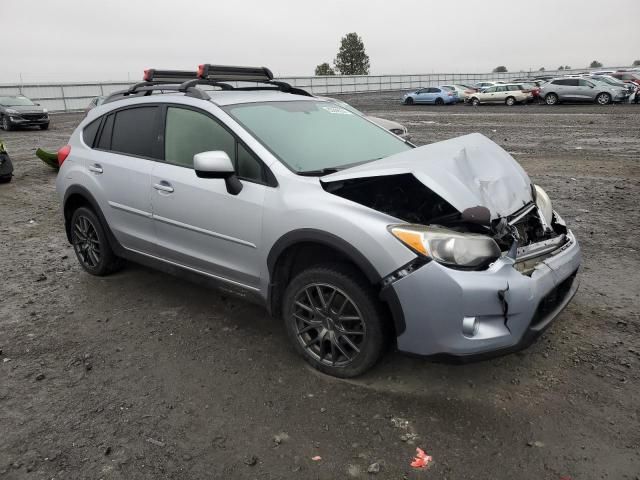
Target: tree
(324,69)
(636,63)
(500,69)
(541,69)
(560,67)
(352,58)
(595,64)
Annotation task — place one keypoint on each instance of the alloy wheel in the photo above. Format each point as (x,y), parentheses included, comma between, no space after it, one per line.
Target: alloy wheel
(603,99)
(86,242)
(328,324)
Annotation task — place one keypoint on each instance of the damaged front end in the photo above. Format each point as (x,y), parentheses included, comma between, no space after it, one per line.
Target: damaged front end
(467,185)
(495,263)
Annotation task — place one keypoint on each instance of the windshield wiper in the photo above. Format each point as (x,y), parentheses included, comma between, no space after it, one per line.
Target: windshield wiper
(320,172)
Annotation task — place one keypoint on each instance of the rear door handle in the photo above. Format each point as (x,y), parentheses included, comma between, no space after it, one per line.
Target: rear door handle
(96,168)
(163,186)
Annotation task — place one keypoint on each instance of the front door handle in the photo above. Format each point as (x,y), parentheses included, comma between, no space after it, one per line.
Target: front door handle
(96,168)
(163,186)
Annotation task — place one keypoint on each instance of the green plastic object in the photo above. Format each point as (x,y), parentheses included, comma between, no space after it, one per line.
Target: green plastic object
(49,158)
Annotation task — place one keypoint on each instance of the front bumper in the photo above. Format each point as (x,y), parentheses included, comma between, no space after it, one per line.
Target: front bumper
(506,308)
(21,121)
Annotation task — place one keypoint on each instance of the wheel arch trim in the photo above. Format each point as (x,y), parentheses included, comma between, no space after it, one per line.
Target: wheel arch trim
(311,235)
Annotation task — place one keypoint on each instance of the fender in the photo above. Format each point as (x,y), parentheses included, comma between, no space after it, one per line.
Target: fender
(352,253)
(86,195)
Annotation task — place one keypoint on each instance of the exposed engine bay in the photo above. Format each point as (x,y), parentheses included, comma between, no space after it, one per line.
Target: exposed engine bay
(525,234)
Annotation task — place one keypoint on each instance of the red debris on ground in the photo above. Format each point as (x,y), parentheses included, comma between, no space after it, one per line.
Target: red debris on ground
(421,460)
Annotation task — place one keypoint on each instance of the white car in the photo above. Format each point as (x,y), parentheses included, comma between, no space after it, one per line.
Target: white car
(463,91)
(509,94)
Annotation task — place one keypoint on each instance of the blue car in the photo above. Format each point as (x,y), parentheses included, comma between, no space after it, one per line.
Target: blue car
(436,95)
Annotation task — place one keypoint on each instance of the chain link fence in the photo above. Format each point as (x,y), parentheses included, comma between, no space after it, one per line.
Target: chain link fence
(69,97)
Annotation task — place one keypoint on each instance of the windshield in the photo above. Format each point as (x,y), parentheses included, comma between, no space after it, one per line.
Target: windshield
(310,136)
(15,101)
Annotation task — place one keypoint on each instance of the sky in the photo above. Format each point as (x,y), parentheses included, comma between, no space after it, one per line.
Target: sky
(83,40)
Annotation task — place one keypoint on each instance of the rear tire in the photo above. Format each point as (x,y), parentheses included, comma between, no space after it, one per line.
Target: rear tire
(408,101)
(335,320)
(603,99)
(91,244)
(510,101)
(439,101)
(551,99)
(6,178)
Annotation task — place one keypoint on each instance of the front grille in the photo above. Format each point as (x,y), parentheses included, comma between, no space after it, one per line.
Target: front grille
(552,299)
(33,116)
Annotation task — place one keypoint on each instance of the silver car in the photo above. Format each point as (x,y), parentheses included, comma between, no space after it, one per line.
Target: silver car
(354,237)
(567,89)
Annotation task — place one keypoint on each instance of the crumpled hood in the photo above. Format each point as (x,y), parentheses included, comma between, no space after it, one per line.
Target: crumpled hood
(467,171)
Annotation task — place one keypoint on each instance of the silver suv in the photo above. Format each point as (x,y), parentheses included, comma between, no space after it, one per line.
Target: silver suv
(581,90)
(354,237)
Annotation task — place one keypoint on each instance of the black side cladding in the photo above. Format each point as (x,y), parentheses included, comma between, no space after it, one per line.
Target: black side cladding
(6,167)
(402,196)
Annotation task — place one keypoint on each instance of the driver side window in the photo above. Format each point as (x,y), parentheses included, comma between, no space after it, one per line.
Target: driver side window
(188,132)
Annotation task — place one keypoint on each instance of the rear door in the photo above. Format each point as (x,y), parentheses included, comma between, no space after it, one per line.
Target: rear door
(197,222)
(120,166)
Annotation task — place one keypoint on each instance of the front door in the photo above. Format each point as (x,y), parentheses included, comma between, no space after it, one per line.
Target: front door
(198,223)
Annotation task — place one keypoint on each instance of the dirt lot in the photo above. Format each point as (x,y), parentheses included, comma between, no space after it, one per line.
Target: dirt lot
(143,375)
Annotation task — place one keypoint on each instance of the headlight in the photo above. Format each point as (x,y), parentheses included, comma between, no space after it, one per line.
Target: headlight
(448,246)
(44,110)
(11,111)
(544,204)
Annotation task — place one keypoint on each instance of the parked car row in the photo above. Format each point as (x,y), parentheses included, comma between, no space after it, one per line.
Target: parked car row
(602,87)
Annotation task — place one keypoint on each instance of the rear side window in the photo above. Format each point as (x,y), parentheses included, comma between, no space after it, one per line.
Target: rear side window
(90,131)
(501,89)
(105,136)
(134,131)
(189,132)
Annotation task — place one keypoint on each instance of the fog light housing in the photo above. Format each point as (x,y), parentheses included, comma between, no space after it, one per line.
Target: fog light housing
(470,326)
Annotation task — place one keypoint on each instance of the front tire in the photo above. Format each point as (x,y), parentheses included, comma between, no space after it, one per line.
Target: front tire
(603,99)
(408,101)
(6,124)
(551,99)
(335,320)
(91,244)
(44,126)
(510,101)
(475,102)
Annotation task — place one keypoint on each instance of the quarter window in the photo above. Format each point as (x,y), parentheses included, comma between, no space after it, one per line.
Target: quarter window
(107,130)
(90,131)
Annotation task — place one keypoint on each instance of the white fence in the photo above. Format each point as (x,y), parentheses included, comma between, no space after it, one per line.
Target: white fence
(68,97)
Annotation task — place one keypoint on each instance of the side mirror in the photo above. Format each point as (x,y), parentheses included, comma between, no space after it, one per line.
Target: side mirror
(217,164)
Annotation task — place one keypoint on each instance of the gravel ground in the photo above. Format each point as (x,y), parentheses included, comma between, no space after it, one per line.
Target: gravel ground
(143,375)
